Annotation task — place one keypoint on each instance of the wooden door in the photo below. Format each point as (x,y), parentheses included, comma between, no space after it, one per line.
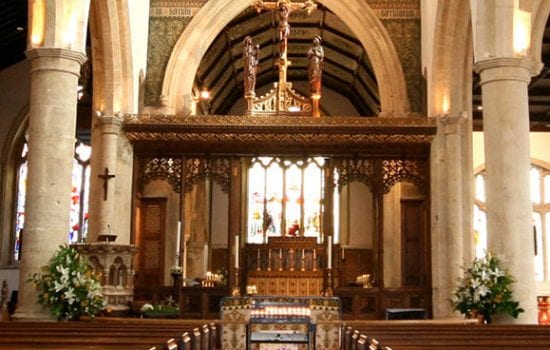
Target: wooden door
(414,241)
(150,240)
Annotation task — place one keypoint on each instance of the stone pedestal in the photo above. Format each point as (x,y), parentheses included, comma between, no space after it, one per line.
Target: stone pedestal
(114,263)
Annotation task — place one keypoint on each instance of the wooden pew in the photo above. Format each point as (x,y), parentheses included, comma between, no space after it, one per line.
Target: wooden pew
(171,344)
(214,336)
(455,335)
(185,341)
(205,337)
(97,334)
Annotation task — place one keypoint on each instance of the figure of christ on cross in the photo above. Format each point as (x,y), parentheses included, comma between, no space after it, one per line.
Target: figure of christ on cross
(284,8)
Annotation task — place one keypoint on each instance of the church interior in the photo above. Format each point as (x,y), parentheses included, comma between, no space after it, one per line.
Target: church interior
(286,174)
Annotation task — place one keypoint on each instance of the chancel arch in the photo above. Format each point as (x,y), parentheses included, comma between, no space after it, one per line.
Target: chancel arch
(177,86)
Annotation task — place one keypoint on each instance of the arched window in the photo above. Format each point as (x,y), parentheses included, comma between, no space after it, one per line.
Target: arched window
(540,196)
(78,228)
(285,198)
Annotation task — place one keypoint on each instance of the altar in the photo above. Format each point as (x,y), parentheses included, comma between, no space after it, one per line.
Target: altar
(285,266)
(277,322)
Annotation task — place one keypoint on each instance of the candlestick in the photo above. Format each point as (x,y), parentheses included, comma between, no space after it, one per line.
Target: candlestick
(236,251)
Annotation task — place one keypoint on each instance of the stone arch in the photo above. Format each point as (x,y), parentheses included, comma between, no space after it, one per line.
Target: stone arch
(214,16)
(112,56)
(452,65)
(539,17)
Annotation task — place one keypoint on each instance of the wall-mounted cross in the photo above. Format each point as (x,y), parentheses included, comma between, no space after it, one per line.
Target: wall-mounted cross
(106,177)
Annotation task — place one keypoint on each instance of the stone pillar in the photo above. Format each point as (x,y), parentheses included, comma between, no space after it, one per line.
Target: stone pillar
(504,84)
(452,126)
(52,123)
(103,221)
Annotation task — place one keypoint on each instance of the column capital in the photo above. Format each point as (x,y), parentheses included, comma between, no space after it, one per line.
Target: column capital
(507,68)
(50,58)
(109,124)
(452,123)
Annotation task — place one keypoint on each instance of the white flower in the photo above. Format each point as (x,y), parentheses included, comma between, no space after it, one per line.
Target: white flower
(70,296)
(146,307)
(59,286)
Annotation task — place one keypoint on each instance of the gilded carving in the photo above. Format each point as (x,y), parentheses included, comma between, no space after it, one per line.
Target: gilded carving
(199,169)
(187,134)
(168,169)
(411,170)
(354,169)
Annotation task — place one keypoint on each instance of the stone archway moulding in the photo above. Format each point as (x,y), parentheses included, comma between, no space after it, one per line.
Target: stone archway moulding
(215,15)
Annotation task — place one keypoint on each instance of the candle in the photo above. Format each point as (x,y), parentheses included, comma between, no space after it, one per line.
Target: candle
(329,252)
(236,251)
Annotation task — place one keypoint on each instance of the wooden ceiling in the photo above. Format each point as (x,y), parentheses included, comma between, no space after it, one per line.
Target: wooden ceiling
(347,68)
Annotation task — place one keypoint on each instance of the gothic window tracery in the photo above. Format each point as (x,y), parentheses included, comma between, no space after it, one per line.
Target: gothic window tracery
(284,198)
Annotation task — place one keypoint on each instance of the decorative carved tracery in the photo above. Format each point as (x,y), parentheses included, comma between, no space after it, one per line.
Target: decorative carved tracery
(168,169)
(200,168)
(410,170)
(354,169)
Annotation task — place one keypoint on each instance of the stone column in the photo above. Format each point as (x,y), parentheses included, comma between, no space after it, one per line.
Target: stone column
(104,219)
(452,126)
(52,123)
(504,84)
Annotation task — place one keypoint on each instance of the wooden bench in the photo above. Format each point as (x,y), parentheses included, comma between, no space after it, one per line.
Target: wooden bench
(98,334)
(426,335)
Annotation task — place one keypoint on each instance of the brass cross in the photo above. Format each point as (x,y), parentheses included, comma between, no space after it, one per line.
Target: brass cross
(106,177)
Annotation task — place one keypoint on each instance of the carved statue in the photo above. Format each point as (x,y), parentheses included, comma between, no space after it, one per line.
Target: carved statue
(250,58)
(283,8)
(284,28)
(316,56)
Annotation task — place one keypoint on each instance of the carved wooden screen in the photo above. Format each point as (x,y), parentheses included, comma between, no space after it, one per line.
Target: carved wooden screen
(150,239)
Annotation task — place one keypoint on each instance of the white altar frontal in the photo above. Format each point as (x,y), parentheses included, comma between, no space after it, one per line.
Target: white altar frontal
(280,323)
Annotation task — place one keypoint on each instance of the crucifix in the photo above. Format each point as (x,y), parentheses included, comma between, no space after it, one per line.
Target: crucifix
(284,8)
(106,177)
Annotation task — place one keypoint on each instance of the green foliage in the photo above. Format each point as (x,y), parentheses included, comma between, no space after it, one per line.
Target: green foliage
(67,286)
(485,288)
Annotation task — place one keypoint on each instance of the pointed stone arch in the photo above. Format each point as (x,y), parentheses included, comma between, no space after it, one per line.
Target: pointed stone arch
(214,16)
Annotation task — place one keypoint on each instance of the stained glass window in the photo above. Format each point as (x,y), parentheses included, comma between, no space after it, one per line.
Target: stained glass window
(284,198)
(78,224)
(20,206)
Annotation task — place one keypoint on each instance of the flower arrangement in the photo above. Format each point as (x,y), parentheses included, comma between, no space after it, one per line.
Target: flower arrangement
(164,310)
(68,286)
(485,289)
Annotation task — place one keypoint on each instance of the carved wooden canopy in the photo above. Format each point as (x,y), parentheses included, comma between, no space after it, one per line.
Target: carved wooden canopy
(252,135)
